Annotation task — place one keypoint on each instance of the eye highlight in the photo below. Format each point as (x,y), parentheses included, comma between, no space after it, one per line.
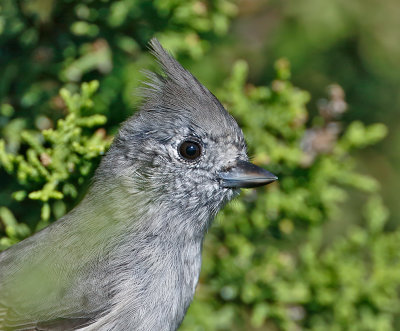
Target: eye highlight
(190,150)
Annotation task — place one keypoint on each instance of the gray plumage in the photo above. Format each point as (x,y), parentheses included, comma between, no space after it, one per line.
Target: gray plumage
(128,256)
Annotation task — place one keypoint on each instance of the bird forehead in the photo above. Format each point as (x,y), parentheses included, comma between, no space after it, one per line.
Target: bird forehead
(219,137)
(185,124)
(226,140)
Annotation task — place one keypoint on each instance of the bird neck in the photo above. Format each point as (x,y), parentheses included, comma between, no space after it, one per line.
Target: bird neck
(157,252)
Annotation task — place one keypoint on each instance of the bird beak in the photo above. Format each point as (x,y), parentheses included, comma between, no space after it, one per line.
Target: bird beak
(246,175)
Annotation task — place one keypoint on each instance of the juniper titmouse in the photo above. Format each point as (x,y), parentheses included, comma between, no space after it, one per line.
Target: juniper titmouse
(128,256)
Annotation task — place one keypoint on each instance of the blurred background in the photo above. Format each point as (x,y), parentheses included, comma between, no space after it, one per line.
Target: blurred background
(308,80)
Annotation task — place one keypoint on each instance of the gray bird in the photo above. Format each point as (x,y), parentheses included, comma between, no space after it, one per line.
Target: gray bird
(128,256)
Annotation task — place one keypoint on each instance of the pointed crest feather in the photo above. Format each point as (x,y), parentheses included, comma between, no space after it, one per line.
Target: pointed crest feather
(177,90)
(176,74)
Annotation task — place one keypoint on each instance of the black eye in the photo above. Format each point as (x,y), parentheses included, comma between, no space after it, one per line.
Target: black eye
(190,150)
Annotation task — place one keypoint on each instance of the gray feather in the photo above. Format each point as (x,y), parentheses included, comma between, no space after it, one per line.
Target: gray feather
(128,256)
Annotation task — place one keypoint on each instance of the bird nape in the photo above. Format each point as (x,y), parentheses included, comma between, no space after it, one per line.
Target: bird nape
(128,256)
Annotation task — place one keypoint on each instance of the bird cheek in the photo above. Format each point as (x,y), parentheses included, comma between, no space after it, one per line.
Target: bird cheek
(161,158)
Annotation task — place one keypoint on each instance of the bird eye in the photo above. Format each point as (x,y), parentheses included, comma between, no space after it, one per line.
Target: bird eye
(190,150)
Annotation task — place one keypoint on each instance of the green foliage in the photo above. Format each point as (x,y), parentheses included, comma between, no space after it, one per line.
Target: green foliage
(14,231)
(285,257)
(337,41)
(56,159)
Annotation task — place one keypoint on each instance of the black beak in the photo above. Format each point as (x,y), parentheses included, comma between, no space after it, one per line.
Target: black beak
(246,175)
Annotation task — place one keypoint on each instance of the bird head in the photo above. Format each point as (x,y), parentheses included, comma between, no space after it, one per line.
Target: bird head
(182,152)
